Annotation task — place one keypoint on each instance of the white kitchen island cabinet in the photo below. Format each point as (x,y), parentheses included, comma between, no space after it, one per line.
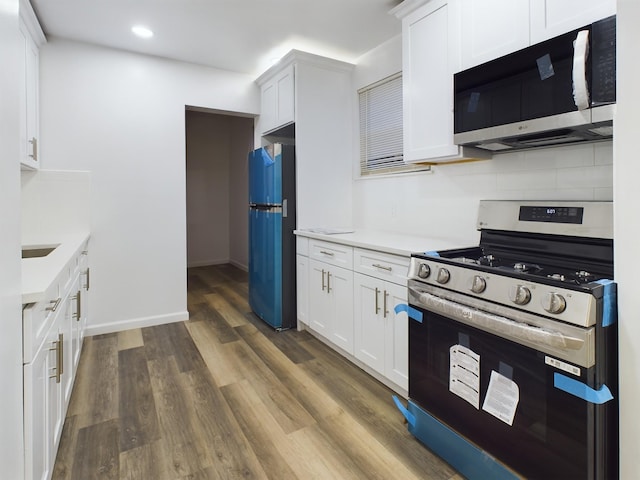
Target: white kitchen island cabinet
(430,56)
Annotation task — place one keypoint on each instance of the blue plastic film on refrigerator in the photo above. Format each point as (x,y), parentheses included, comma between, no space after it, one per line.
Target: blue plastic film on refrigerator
(581,390)
(266,159)
(265,273)
(411,419)
(609,302)
(265,178)
(411,312)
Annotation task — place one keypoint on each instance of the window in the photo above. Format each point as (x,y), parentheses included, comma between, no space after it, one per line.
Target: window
(381,128)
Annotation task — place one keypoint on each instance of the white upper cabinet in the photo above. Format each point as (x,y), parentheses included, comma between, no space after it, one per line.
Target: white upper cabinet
(278,100)
(430,56)
(33,38)
(550,18)
(492,28)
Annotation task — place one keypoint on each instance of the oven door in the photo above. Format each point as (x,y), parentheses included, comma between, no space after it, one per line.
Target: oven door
(499,393)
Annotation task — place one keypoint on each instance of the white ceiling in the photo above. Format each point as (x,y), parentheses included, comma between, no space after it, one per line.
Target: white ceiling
(239,35)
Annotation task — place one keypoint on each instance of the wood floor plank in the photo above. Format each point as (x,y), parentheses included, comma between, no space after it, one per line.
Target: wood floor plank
(138,419)
(233,317)
(239,300)
(95,395)
(130,339)
(267,439)
(97,455)
(288,341)
(182,448)
(223,331)
(143,462)
(231,454)
(172,339)
(308,393)
(219,358)
(284,407)
(63,468)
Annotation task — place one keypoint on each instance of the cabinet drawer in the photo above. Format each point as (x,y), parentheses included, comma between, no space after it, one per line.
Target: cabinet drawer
(332,253)
(385,266)
(302,246)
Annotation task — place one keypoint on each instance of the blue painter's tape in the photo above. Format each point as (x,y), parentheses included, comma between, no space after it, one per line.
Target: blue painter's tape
(580,390)
(432,253)
(609,302)
(472,462)
(268,161)
(411,312)
(411,419)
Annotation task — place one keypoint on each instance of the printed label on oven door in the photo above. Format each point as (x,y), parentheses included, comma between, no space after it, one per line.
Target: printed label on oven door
(502,398)
(567,367)
(464,374)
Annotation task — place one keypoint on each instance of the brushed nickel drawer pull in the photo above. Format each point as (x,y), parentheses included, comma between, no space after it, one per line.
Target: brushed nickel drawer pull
(377,307)
(323,280)
(54,307)
(385,312)
(388,269)
(328,281)
(331,254)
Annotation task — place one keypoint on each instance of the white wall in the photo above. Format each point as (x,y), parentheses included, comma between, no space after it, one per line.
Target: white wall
(422,203)
(12,61)
(121,116)
(217,226)
(627,232)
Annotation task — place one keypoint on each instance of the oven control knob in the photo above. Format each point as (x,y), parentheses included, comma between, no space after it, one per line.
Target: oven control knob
(553,303)
(519,294)
(424,271)
(477,284)
(443,275)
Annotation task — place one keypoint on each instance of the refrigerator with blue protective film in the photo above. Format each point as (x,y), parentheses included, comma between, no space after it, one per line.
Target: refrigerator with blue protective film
(272,245)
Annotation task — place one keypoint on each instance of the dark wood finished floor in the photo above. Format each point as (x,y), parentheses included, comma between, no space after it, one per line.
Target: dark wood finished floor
(222,396)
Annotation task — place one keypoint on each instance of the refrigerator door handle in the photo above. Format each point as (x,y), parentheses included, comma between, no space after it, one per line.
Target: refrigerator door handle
(284,208)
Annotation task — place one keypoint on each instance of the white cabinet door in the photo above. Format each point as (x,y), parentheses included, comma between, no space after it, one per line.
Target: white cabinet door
(278,101)
(302,288)
(331,303)
(492,28)
(430,56)
(369,322)
(550,18)
(396,336)
(381,335)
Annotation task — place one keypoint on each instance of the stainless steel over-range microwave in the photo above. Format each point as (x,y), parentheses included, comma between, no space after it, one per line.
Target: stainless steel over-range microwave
(560,91)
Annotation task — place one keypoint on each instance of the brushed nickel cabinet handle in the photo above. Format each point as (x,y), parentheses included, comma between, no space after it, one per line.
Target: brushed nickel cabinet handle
(61,356)
(34,148)
(382,267)
(385,312)
(331,254)
(328,281)
(78,298)
(377,306)
(54,307)
(86,273)
(323,280)
(57,346)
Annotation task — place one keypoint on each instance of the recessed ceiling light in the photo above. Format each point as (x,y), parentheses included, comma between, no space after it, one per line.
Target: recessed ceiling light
(142,32)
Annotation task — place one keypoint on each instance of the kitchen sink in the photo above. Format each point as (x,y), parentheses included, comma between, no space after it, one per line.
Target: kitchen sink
(37,252)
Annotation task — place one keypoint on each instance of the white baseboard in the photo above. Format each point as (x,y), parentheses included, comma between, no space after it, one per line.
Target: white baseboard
(112,327)
(206,263)
(239,265)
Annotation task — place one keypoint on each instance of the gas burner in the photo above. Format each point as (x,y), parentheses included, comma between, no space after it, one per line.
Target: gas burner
(486,260)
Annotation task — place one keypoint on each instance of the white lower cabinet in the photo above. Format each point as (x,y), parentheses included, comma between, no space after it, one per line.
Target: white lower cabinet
(348,298)
(381,334)
(53,330)
(331,303)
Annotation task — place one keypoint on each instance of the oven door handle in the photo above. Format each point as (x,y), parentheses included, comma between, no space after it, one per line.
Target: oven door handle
(499,325)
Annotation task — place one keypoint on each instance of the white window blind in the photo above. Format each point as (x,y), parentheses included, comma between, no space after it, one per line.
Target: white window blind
(381,128)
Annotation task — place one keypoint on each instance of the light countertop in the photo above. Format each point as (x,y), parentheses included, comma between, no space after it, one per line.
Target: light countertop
(38,274)
(389,242)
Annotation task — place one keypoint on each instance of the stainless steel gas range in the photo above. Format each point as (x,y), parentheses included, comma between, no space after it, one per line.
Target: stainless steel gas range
(513,344)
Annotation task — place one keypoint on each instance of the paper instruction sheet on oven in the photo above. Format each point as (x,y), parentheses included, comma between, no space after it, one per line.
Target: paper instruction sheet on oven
(464,374)
(502,398)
